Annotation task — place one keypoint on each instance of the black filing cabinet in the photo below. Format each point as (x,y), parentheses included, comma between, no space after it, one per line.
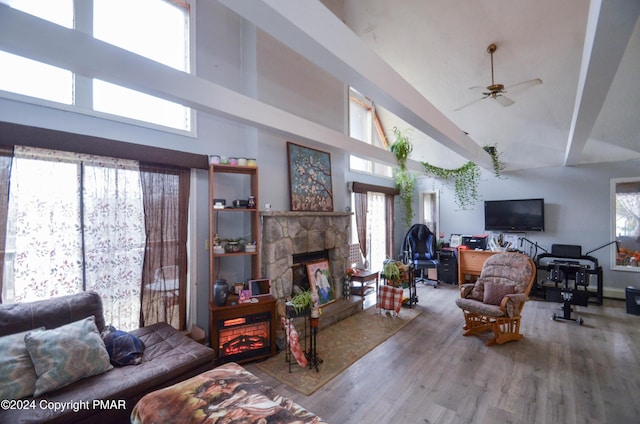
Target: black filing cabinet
(633,300)
(447,266)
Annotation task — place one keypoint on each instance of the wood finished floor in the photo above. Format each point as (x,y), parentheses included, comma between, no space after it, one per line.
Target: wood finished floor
(429,373)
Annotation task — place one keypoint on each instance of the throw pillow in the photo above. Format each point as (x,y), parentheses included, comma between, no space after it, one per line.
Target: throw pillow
(66,354)
(17,374)
(494,292)
(124,348)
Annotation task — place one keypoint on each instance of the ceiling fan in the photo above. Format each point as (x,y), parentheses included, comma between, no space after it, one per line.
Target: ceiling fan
(497,91)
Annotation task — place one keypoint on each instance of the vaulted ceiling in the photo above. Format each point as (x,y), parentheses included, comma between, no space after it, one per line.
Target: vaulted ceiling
(417,59)
(587,55)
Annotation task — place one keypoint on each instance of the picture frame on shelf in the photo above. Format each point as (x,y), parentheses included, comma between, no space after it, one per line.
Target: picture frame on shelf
(320,280)
(310,186)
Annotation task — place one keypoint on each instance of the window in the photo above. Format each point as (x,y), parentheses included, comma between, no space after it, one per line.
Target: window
(365,126)
(75,223)
(156,29)
(35,79)
(372,222)
(430,211)
(80,222)
(625,199)
(376,239)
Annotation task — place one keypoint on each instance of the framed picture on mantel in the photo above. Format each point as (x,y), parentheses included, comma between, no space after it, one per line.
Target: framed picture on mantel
(309,179)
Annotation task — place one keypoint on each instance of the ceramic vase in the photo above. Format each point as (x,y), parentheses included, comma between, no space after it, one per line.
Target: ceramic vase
(220,292)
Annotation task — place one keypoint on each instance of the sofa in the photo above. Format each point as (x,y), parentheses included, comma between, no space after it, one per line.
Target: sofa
(169,356)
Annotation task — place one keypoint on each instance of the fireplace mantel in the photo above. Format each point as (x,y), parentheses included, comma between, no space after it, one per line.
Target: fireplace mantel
(285,233)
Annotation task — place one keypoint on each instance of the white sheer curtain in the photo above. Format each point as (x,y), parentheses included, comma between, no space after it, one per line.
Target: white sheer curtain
(44,237)
(376,224)
(114,238)
(76,222)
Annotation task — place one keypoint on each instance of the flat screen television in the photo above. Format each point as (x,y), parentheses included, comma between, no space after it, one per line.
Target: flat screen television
(514,215)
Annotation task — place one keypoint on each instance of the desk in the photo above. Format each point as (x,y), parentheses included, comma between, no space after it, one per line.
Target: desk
(470,263)
(365,277)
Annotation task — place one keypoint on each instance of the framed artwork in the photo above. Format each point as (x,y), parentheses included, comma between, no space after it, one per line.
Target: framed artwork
(309,179)
(320,279)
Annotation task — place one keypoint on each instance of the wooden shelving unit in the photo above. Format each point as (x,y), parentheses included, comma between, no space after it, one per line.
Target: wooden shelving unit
(220,219)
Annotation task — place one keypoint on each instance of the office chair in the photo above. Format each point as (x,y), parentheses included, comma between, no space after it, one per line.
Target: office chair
(420,249)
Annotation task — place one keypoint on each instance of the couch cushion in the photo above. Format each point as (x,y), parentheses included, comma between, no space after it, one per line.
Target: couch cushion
(51,313)
(17,374)
(66,354)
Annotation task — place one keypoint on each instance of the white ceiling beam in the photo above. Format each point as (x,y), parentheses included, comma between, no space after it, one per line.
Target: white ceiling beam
(43,41)
(311,30)
(609,28)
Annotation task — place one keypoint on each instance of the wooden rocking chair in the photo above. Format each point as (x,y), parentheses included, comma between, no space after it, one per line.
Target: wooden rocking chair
(495,301)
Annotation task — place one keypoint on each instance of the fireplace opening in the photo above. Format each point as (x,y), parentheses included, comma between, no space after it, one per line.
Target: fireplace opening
(244,337)
(299,267)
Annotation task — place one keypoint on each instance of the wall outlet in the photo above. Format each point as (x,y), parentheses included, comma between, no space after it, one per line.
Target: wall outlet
(206,244)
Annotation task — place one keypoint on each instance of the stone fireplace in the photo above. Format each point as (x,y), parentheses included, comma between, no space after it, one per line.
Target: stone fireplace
(285,234)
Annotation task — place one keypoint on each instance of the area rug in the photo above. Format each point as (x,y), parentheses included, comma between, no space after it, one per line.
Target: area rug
(339,346)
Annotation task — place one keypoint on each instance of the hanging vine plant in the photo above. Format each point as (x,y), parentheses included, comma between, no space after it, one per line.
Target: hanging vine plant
(498,165)
(466,179)
(405,181)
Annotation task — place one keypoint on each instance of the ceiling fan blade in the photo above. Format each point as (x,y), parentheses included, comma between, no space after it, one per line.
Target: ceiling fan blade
(504,100)
(525,84)
(470,103)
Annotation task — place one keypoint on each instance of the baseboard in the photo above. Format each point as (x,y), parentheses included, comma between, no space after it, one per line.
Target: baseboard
(614,293)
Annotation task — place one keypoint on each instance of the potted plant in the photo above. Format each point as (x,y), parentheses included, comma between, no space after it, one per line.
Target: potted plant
(391,273)
(300,303)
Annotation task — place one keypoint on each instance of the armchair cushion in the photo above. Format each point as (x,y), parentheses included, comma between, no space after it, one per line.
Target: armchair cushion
(494,292)
(465,290)
(478,307)
(514,304)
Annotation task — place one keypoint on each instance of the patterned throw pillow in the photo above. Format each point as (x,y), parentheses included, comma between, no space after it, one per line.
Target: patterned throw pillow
(66,354)
(494,292)
(17,374)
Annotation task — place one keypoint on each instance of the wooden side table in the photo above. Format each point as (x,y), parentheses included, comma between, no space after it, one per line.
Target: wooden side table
(366,277)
